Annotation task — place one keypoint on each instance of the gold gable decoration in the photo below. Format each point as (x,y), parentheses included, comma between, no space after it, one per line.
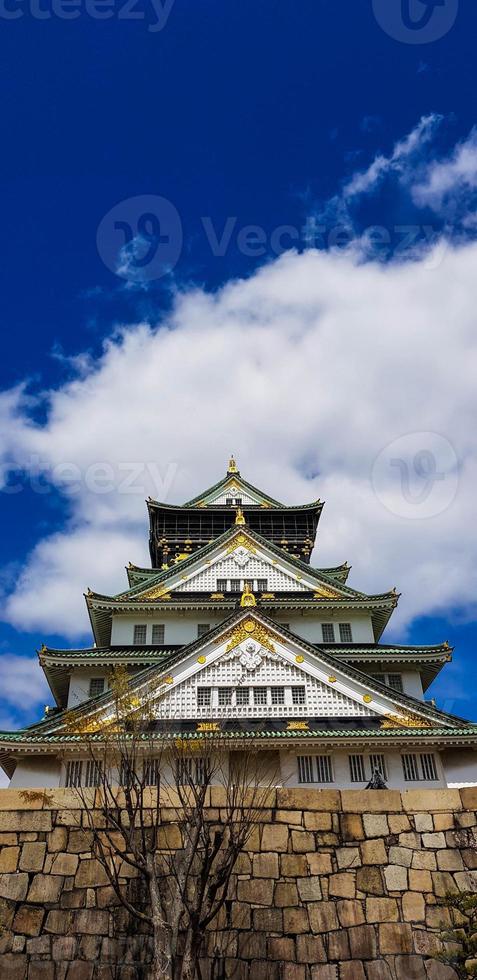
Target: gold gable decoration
(404,721)
(246,630)
(325,593)
(241,541)
(248,598)
(158,592)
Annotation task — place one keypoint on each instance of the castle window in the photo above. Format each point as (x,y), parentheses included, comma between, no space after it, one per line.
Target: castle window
(191,772)
(378,762)
(203,697)
(229,501)
(221,585)
(242,696)
(235,585)
(140,633)
(158,631)
(202,629)
(225,696)
(238,501)
(419,767)
(96,687)
(278,695)
(259,695)
(74,770)
(328,631)
(298,695)
(93,773)
(151,772)
(346,635)
(262,585)
(395,681)
(305,769)
(323,769)
(356,769)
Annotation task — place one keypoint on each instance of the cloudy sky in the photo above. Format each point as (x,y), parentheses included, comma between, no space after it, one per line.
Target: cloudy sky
(290,276)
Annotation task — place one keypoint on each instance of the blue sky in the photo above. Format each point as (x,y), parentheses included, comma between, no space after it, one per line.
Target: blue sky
(230,130)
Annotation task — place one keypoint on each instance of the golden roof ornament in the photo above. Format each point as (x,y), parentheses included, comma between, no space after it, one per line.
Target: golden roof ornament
(248,598)
(239,518)
(232,467)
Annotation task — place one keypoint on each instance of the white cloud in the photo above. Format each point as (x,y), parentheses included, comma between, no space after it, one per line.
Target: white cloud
(23,685)
(306,370)
(450,178)
(400,162)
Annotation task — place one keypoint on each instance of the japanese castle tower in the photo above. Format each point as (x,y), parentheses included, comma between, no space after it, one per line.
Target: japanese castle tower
(233,631)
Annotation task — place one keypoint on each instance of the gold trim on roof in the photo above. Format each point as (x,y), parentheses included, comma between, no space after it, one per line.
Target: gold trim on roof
(405,721)
(241,541)
(246,630)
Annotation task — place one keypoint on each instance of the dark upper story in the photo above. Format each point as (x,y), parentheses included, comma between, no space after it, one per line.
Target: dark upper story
(180,530)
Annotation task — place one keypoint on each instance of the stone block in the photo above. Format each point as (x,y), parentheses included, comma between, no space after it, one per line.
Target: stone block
(302,841)
(410,839)
(45,889)
(58,839)
(443,884)
(80,841)
(286,894)
(80,970)
(310,949)
(256,891)
(265,866)
(413,907)
(309,889)
(41,970)
(439,971)
(401,856)
(423,822)
(25,820)
(282,949)
(28,921)
(399,823)
(409,968)
(375,824)
(90,874)
(76,899)
(64,864)
(265,920)
(395,937)
(370,801)
(382,909)
(63,948)
(251,945)
(430,800)
(289,817)
(319,863)
(293,971)
(58,921)
(295,920)
(295,865)
(350,913)
(338,946)
(309,799)
(378,970)
(351,825)
(396,878)
(274,838)
(9,859)
(434,840)
(323,917)
(469,798)
(14,966)
(317,821)
(424,861)
(363,942)
(352,970)
(449,861)
(92,922)
(348,857)
(373,851)
(38,946)
(426,943)
(370,881)
(469,856)
(443,821)
(14,886)
(32,857)
(329,972)
(465,881)
(343,884)
(420,881)
(241,916)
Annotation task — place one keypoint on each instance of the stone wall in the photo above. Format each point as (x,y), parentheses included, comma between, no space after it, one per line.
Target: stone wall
(332,886)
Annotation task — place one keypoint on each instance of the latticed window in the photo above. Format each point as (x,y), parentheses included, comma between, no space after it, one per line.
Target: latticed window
(262,585)
(238,501)
(203,629)
(395,681)
(225,696)
(328,632)
(260,695)
(324,771)
(278,695)
(204,697)
(126,773)
(140,633)
(229,501)
(419,767)
(96,687)
(235,585)
(298,695)
(305,769)
(242,696)
(346,635)
(221,585)
(92,773)
(158,633)
(151,772)
(74,771)
(378,762)
(192,771)
(356,769)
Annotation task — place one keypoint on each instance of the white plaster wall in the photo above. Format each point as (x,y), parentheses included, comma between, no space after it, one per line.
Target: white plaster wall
(460,766)
(341,771)
(36,772)
(309,627)
(79,684)
(178,629)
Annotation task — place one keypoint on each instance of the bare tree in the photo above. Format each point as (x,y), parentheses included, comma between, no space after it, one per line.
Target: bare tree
(150,814)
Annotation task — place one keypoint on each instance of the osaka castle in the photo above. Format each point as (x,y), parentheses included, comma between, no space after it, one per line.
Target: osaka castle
(233,634)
